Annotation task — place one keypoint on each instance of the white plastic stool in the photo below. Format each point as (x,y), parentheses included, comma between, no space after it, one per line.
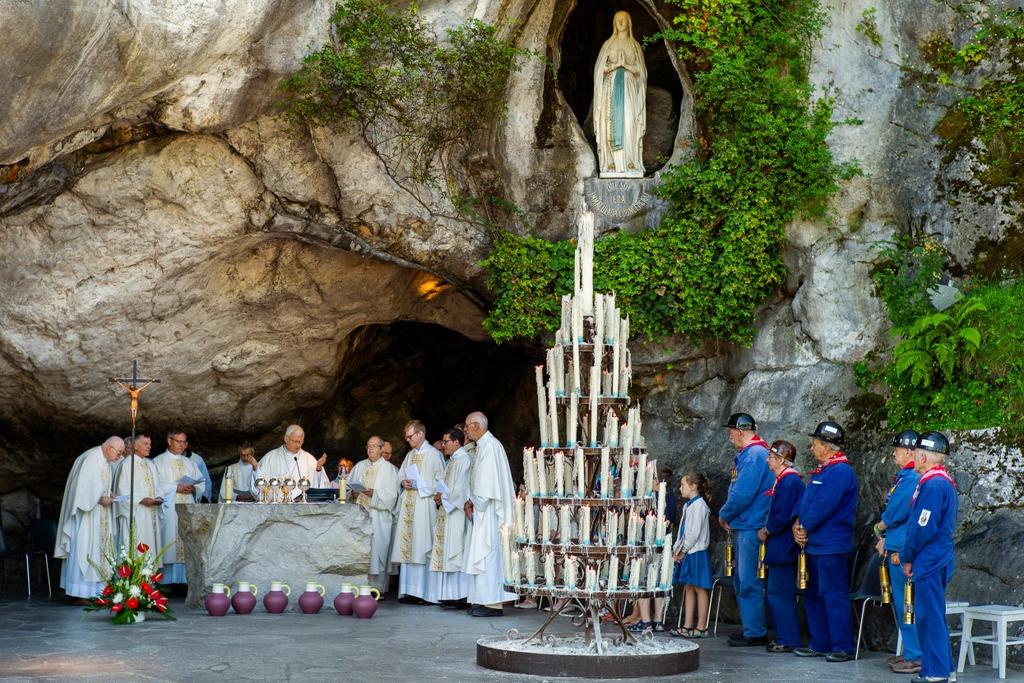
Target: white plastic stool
(1000,616)
(953,608)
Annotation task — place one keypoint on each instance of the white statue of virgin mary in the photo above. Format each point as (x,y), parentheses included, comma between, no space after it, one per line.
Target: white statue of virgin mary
(620,105)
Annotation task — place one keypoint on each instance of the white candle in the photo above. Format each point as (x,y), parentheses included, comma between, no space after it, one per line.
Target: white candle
(651,476)
(528,470)
(542,475)
(586,242)
(576,273)
(595,392)
(545,524)
(569,572)
(612,522)
(598,329)
(565,524)
(531,533)
(542,406)
(606,383)
(549,570)
(627,455)
(531,566)
(662,528)
(650,526)
(666,562)
(641,476)
(661,502)
(585,525)
(553,413)
(580,463)
(634,575)
(610,318)
(517,569)
(591,578)
(559,474)
(520,530)
(577,334)
(652,576)
(613,573)
(572,424)
(506,554)
(606,491)
(632,528)
(566,329)
(623,353)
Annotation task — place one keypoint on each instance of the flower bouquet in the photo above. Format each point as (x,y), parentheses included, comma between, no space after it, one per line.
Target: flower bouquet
(131,589)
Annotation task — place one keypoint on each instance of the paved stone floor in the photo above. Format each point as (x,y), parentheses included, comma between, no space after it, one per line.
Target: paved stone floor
(42,640)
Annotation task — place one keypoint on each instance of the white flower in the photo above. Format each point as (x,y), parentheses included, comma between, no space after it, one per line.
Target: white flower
(118,597)
(147,571)
(135,591)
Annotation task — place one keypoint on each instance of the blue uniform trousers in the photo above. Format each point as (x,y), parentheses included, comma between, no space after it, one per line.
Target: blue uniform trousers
(911,648)
(930,620)
(782,603)
(749,588)
(827,603)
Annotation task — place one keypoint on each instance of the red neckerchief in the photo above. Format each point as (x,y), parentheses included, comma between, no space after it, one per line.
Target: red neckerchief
(756,441)
(832,460)
(899,476)
(937,471)
(784,473)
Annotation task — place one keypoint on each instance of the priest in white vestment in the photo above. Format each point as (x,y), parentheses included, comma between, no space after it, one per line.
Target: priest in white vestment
(173,465)
(414,535)
(379,478)
(85,530)
(450,528)
(491,499)
(148,499)
(290,461)
(242,475)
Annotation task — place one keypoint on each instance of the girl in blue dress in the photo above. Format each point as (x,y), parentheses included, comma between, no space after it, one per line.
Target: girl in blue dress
(693,567)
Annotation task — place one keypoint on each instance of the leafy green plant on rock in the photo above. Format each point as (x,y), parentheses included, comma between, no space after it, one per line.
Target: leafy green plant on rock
(419,103)
(936,345)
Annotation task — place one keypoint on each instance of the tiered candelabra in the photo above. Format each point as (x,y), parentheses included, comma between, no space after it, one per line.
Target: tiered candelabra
(591,527)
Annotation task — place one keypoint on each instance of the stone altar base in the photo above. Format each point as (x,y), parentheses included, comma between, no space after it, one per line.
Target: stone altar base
(226,543)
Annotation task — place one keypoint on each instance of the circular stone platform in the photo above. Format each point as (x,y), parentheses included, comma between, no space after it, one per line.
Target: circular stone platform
(565,654)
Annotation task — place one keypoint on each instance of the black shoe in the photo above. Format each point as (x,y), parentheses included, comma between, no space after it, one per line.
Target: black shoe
(807,652)
(776,646)
(737,638)
(412,600)
(838,657)
(453,604)
(748,642)
(482,611)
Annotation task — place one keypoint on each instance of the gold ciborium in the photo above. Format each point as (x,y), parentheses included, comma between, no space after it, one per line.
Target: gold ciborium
(728,556)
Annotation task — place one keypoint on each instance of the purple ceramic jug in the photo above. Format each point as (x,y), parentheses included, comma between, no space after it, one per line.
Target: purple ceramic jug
(343,603)
(276,598)
(244,599)
(365,604)
(312,599)
(217,602)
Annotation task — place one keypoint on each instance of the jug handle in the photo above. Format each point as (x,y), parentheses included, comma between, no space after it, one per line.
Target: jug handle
(287,589)
(254,589)
(321,588)
(227,591)
(377,593)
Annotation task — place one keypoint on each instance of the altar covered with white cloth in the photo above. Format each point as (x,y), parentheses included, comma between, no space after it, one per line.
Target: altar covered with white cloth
(325,543)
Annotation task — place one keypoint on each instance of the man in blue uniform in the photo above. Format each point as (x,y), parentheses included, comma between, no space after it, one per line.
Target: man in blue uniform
(825,529)
(743,513)
(891,532)
(780,549)
(928,554)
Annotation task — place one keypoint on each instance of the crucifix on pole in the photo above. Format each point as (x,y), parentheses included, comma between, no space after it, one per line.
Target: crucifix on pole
(134,386)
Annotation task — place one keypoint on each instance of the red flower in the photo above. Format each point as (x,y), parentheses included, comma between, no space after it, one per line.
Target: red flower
(146,588)
(133,603)
(124,571)
(101,601)
(162,607)
(107,590)
(142,547)
(158,577)
(116,608)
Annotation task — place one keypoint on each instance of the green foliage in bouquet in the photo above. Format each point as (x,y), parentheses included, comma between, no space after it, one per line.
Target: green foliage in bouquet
(132,586)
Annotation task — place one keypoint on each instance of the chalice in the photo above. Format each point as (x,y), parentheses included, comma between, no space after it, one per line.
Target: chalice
(304,485)
(287,486)
(263,489)
(275,484)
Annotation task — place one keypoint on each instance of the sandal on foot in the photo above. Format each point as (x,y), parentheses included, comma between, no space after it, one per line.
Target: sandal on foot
(639,627)
(682,632)
(698,633)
